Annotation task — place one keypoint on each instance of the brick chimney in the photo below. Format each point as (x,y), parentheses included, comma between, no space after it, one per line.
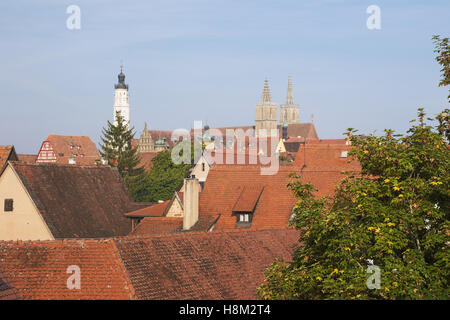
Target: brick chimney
(190,202)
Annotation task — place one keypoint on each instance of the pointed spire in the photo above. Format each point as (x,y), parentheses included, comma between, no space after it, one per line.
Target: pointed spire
(289,96)
(145,126)
(266,92)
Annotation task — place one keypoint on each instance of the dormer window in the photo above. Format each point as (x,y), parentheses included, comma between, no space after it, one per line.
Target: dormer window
(244,208)
(244,217)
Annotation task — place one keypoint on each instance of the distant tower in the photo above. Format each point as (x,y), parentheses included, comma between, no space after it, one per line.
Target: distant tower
(266,114)
(289,112)
(121,102)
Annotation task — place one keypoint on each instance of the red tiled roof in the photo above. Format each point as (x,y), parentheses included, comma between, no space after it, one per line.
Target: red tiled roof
(65,147)
(6,153)
(78,201)
(226,183)
(38,270)
(27,157)
(208,265)
(168,225)
(325,157)
(304,130)
(327,141)
(155,210)
(158,225)
(248,199)
(162,134)
(7,291)
(146,159)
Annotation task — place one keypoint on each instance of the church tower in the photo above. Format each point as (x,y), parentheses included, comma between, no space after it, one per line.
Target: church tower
(266,114)
(289,112)
(121,102)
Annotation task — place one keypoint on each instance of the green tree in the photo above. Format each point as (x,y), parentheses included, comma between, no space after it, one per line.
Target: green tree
(160,182)
(394,214)
(117,149)
(442,48)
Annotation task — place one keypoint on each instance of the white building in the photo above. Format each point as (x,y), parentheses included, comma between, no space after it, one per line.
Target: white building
(121,99)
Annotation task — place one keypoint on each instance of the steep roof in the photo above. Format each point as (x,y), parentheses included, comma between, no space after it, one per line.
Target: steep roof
(248,199)
(158,225)
(27,157)
(7,291)
(325,156)
(146,159)
(208,265)
(225,185)
(155,210)
(7,153)
(199,265)
(80,147)
(39,269)
(168,225)
(162,134)
(78,201)
(304,130)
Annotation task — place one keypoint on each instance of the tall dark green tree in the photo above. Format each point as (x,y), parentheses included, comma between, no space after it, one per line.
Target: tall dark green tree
(117,148)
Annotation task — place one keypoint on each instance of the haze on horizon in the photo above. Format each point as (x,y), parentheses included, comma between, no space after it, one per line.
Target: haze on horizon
(187,60)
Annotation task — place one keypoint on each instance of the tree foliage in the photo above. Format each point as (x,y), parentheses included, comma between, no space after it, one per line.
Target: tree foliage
(442,48)
(160,182)
(393,214)
(117,149)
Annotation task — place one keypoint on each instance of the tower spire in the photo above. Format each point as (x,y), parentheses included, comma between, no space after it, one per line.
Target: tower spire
(289,96)
(266,92)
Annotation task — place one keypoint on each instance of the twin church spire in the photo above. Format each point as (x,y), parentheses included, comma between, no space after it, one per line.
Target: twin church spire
(289,96)
(266,111)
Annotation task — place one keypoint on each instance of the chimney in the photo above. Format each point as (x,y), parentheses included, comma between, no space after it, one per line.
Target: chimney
(191,195)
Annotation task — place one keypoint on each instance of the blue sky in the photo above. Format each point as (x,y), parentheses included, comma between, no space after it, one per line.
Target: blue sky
(189,60)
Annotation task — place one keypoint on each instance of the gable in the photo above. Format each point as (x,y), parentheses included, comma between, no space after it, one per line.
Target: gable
(175,208)
(7,153)
(67,149)
(25,221)
(46,153)
(78,201)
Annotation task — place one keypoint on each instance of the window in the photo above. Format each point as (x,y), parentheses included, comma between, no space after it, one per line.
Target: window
(9,204)
(203,166)
(243,217)
(344,154)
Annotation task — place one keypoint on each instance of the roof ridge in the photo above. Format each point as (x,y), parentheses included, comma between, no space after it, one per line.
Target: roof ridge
(50,164)
(200,233)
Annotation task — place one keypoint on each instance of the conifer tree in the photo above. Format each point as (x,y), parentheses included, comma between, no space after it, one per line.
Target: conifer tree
(117,149)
